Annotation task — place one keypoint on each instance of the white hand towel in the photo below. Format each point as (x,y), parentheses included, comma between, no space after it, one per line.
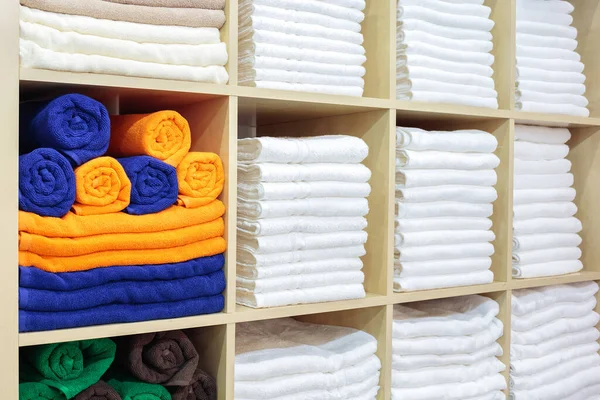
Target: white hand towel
(34,56)
(542,167)
(443,18)
(454,391)
(461,141)
(557,373)
(263,74)
(458,8)
(251,62)
(280,226)
(301,190)
(430,50)
(408,269)
(440,237)
(318,7)
(444,223)
(546,269)
(365,389)
(526,301)
(304,281)
(319,207)
(559,390)
(566,109)
(248,48)
(443,209)
(358,4)
(460,193)
(412,178)
(542,15)
(523,258)
(559,342)
(543,75)
(548,87)
(355,91)
(542,134)
(543,64)
(406,84)
(271,172)
(410,363)
(547,225)
(526,39)
(417,24)
(450,98)
(405,36)
(443,281)
(440,252)
(446,160)
(545,241)
(544,210)
(300,241)
(311,267)
(542,29)
(557,6)
(555,328)
(302,41)
(319,149)
(539,151)
(417,60)
(300,296)
(547,53)
(551,98)
(589,392)
(546,181)
(528,196)
(556,310)
(523,369)
(249,259)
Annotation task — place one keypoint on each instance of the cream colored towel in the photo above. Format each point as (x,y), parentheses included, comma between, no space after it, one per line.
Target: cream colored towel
(208,4)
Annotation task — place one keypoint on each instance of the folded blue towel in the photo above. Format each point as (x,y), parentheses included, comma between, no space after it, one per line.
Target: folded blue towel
(153,184)
(118,313)
(75,125)
(124,292)
(46,183)
(34,278)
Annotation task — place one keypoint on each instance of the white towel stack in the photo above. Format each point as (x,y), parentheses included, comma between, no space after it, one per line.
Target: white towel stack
(443,52)
(549,70)
(545,230)
(302,45)
(554,353)
(301,219)
(286,359)
(444,194)
(447,349)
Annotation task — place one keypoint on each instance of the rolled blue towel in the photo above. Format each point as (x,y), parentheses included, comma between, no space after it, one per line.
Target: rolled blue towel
(46,183)
(154,184)
(75,125)
(34,278)
(118,313)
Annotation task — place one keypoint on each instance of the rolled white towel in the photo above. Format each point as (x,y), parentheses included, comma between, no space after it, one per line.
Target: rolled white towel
(545,241)
(542,134)
(539,151)
(443,223)
(413,178)
(443,209)
(422,269)
(553,268)
(475,141)
(528,196)
(543,181)
(544,210)
(441,237)
(460,193)
(446,160)
(440,252)
(547,225)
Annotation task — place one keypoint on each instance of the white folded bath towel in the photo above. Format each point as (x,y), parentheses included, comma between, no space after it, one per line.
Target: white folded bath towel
(249,259)
(542,134)
(523,369)
(280,226)
(543,75)
(442,281)
(443,223)
(407,73)
(452,391)
(459,8)
(410,363)
(526,39)
(548,87)
(526,301)
(251,62)
(446,160)
(547,225)
(542,15)
(544,210)
(358,4)
(34,56)
(430,50)
(559,390)
(539,151)
(301,190)
(543,181)
(555,65)
(433,63)
(555,328)
(443,209)
(317,7)
(552,268)
(524,258)
(271,172)
(295,77)
(461,193)
(310,267)
(451,98)
(555,374)
(249,48)
(318,149)
(440,252)
(300,296)
(543,29)
(542,167)
(300,241)
(528,196)
(318,207)
(441,237)
(461,141)
(303,281)
(406,36)
(407,269)
(559,342)
(547,53)
(523,95)
(418,24)
(443,18)
(407,84)
(545,241)
(365,389)
(557,310)
(566,109)
(557,6)
(412,178)
(589,392)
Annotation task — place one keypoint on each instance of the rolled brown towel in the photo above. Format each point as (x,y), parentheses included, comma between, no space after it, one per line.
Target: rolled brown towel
(207,4)
(99,391)
(168,358)
(203,387)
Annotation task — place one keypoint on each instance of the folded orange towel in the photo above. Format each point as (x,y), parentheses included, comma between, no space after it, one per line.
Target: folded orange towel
(164,135)
(204,248)
(72,225)
(102,187)
(201,179)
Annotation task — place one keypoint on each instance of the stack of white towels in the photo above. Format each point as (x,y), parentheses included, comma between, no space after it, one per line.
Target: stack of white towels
(443,52)
(554,353)
(302,45)
(545,229)
(301,219)
(447,349)
(286,359)
(549,70)
(444,194)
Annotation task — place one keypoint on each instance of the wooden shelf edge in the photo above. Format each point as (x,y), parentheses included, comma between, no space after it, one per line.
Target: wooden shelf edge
(554,119)
(555,280)
(450,110)
(422,295)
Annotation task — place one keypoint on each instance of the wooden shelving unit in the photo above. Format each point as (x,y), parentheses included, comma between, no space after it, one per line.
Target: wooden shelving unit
(219,115)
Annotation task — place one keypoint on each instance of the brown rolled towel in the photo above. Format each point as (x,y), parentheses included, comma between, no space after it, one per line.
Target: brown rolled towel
(208,4)
(168,358)
(192,17)
(99,391)
(203,387)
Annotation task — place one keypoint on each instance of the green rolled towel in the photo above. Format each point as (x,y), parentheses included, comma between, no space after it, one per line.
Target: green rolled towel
(132,389)
(69,367)
(39,391)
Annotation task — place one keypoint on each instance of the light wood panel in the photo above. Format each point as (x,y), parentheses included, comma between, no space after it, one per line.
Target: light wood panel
(213,346)
(379,31)
(504,300)
(504,51)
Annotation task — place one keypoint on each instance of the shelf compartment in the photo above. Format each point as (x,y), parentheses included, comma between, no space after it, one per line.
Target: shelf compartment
(423,295)
(582,276)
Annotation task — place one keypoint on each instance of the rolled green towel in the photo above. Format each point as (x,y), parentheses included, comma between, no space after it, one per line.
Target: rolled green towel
(69,367)
(39,391)
(135,390)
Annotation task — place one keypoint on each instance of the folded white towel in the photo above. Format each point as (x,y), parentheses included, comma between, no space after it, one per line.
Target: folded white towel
(460,193)
(443,209)
(546,255)
(280,75)
(566,109)
(547,225)
(318,207)
(544,210)
(413,178)
(555,328)
(250,259)
(318,7)
(557,310)
(441,237)
(300,241)
(301,41)
(251,62)
(523,369)
(310,267)
(551,98)
(552,268)
(405,36)
(555,374)
(459,8)
(300,296)
(301,190)
(410,363)
(542,134)
(539,151)
(548,87)
(407,269)
(557,6)
(319,149)
(450,98)
(559,390)
(442,281)
(543,75)
(443,223)
(555,65)
(406,85)
(405,74)
(543,181)
(440,252)
(280,226)
(528,196)
(430,50)
(417,24)
(364,389)
(446,160)
(358,4)
(542,167)
(542,15)
(455,391)
(249,48)
(527,301)
(34,56)
(540,349)
(303,281)
(545,241)
(589,392)
(271,172)
(439,16)
(526,39)
(417,60)
(461,141)
(543,29)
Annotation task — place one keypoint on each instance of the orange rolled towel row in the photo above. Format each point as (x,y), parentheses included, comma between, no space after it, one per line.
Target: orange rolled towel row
(201,179)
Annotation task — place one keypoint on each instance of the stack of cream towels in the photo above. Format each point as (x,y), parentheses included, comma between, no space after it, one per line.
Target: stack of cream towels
(447,349)
(549,69)
(150,39)
(554,353)
(545,229)
(286,359)
(301,219)
(443,52)
(302,45)
(444,194)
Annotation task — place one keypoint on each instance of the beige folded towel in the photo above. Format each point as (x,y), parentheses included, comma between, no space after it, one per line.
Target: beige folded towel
(192,17)
(208,4)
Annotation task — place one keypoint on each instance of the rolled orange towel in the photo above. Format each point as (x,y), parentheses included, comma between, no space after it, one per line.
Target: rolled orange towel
(201,179)
(164,135)
(102,187)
